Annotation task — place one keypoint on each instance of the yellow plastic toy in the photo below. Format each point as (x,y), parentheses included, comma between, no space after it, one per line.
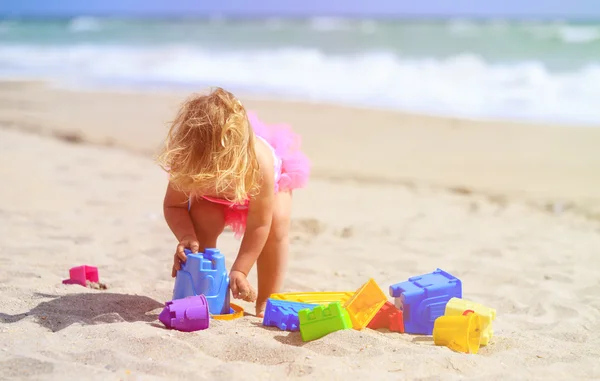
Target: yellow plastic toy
(314,297)
(364,304)
(237,313)
(456,307)
(459,333)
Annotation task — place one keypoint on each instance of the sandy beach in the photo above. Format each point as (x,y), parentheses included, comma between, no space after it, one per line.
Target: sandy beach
(511,209)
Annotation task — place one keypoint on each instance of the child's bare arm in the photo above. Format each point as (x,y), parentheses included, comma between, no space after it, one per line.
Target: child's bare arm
(175,208)
(258,225)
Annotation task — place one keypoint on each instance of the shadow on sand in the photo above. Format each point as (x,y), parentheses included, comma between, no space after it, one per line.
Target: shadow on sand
(90,308)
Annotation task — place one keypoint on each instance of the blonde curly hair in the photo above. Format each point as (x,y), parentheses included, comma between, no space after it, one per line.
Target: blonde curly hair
(209,149)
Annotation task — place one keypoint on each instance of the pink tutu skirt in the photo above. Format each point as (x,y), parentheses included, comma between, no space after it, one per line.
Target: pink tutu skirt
(292,172)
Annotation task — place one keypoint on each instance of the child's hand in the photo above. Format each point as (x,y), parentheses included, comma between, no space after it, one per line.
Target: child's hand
(187,242)
(240,287)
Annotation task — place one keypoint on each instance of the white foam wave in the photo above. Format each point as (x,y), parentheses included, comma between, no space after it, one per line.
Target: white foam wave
(84,24)
(565,33)
(463,85)
(579,34)
(326,24)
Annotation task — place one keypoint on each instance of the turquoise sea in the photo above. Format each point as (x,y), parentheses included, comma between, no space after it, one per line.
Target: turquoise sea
(523,70)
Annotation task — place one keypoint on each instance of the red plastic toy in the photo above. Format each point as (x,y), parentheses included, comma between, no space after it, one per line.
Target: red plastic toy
(388,317)
(82,274)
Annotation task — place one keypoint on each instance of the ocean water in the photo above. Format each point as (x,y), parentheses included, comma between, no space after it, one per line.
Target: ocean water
(525,70)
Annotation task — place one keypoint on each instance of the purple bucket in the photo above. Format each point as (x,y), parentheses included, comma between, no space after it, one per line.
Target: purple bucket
(187,314)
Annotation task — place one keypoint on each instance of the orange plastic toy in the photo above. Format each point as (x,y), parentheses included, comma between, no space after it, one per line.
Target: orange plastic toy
(365,304)
(237,313)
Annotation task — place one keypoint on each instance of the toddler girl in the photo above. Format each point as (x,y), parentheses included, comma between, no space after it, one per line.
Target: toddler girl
(227,168)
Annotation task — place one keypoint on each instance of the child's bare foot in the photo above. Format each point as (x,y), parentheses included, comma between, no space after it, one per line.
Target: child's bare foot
(260,309)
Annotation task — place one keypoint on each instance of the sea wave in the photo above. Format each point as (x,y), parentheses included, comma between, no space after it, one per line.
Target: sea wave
(462,85)
(579,34)
(84,24)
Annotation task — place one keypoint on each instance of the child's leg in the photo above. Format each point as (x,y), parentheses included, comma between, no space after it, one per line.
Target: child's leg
(209,221)
(273,259)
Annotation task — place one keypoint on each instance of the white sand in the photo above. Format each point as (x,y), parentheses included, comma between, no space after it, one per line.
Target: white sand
(509,209)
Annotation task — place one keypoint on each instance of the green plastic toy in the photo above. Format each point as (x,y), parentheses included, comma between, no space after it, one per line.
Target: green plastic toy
(322,320)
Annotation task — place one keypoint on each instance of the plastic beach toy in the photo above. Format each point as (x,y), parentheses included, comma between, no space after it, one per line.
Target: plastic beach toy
(235,312)
(204,274)
(82,274)
(459,333)
(187,314)
(457,307)
(423,298)
(322,320)
(364,304)
(314,297)
(283,314)
(388,317)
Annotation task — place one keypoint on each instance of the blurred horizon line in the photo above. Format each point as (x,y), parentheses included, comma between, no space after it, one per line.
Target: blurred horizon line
(266,16)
